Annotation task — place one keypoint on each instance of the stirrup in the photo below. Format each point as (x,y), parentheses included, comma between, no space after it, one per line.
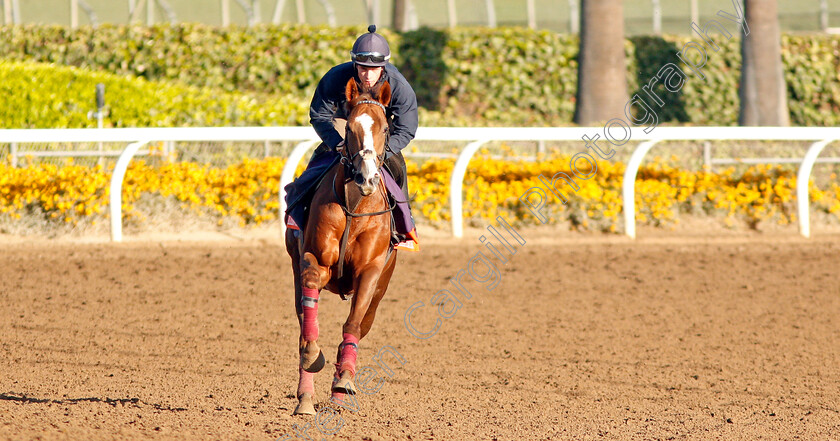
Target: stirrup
(397,237)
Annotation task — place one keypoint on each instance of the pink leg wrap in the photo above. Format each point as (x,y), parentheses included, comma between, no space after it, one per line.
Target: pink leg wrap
(337,395)
(349,348)
(306,382)
(309,302)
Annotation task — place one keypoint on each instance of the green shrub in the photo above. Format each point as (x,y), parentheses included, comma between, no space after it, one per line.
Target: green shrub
(49,96)
(462,76)
(270,59)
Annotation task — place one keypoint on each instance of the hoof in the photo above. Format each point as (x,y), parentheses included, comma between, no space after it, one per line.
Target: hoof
(305,405)
(344,385)
(309,361)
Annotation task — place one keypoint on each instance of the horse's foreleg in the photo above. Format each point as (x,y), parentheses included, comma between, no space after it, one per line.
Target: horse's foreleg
(312,280)
(381,287)
(345,368)
(306,384)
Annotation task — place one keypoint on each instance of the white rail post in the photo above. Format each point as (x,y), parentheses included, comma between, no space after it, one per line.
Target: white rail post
(656,6)
(628,187)
(574,17)
(116,188)
(532,14)
(491,13)
(278,12)
(74,14)
(802,179)
(288,176)
(456,185)
(13,152)
(451,14)
(330,11)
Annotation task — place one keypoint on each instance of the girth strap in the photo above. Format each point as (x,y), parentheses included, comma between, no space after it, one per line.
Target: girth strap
(342,248)
(349,215)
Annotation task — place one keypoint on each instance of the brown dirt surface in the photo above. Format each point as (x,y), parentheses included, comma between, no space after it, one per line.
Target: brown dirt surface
(730,337)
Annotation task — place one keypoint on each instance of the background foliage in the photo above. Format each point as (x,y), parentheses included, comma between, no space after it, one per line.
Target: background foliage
(463,76)
(45,96)
(47,196)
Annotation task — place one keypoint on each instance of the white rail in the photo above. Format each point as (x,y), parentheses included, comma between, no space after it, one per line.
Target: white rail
(802,180)
(456,185)
(628,192)
(117,178)
(475,136)
(288,175)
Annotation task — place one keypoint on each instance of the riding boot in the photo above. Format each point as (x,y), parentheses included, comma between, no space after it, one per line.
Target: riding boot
(298,191)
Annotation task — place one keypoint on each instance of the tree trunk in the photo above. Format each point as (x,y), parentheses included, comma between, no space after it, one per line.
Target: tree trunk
(400,22)
(602,77)
(762,91)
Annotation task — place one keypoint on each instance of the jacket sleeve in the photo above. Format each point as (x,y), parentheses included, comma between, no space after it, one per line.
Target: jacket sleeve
(405,120)
(323,109)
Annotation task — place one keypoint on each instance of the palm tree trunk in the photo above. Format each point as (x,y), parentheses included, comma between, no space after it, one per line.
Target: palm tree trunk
(400,24)
(602,78)
(762,90)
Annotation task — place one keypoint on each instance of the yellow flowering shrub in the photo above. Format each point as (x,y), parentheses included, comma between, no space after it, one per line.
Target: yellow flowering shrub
(247,192)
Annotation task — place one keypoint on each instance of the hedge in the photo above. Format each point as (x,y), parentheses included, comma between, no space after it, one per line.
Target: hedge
(41,95)
(48,195)
(474,76)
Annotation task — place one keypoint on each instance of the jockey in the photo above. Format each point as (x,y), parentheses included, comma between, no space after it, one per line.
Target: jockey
(369,66)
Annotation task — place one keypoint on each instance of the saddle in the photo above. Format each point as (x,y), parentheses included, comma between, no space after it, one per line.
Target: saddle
(403,231)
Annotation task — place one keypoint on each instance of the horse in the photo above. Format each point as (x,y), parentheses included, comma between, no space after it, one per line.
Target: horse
(345,244)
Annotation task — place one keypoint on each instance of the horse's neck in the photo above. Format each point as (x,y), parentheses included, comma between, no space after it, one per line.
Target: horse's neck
(351,197)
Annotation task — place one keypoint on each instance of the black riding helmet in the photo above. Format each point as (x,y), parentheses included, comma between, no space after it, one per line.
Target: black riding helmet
(371,49)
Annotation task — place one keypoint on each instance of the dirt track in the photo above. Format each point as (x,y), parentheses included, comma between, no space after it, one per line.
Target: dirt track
(593,338)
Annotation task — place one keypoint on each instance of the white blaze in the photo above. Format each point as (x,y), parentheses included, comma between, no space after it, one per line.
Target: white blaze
(368,151)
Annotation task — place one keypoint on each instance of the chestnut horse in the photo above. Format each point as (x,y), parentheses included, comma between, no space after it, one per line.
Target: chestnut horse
(345,245)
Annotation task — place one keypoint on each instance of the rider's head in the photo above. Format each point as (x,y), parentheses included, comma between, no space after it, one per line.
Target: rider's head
(370,54)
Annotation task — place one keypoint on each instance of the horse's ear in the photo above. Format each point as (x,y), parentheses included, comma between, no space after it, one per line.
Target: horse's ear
(351,91)
(384,95)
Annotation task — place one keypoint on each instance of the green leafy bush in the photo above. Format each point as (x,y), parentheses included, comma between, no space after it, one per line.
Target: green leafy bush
(462,76)
(50,96)
(270,59)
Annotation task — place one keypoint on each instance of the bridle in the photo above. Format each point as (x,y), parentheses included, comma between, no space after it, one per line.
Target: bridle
(348,161)
(350,170)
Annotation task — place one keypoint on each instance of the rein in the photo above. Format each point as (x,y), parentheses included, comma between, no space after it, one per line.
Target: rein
(349,215)
(351,170)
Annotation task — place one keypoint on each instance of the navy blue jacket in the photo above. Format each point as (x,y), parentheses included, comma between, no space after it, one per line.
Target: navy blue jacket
(328,104)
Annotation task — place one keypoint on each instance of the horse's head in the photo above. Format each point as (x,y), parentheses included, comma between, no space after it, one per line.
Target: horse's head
(367,133)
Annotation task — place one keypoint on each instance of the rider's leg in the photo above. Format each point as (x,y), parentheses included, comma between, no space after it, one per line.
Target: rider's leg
(396,166)
(322,157)
(319,160)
